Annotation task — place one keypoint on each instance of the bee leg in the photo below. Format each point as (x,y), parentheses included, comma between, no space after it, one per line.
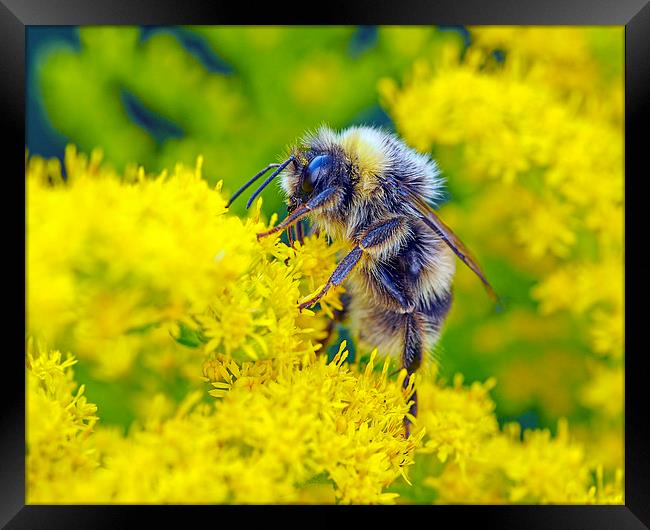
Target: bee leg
(340,273)
(300,232)
(411,361)
(412,356)
(315,203)
(376,237)
(394,287)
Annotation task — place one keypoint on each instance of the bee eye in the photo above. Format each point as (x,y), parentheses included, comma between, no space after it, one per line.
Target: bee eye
(307,185)
(316,168)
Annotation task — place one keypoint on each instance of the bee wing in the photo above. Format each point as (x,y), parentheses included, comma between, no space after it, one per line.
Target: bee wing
(431,219)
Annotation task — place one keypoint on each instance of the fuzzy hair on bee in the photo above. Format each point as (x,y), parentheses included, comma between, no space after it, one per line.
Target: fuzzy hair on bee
(365,186)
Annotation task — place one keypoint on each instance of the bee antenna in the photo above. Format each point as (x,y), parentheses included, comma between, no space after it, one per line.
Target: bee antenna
(268,180)
(251,180)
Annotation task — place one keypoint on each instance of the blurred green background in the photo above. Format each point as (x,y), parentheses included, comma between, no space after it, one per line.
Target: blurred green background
(239,95)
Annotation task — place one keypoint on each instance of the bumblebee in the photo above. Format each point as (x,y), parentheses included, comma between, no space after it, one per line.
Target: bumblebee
(368,187)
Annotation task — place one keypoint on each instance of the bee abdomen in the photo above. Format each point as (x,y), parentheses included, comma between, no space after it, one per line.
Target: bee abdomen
(436,307)
(384,326)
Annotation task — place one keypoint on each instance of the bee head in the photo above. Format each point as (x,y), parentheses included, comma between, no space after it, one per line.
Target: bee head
(313,172)
(317,168)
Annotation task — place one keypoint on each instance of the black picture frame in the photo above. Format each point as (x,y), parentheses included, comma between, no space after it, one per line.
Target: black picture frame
(16,15)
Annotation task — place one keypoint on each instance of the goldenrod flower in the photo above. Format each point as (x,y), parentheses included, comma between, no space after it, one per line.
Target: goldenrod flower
(538,468)
(539,134)
(59,425)
(604,392)
(142,258)
(132,270)
(457,420)
(281,424)
(114,264)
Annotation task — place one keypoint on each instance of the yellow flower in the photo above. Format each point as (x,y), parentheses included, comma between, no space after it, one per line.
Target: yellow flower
(607,335)
(457,420)
(562,55)
(551,222)
(535,468)
(170,281)
(109,260)
(545,468)
(282,424)
(604,391)
(114,263)
(59,423)
(533,140)
(580,287)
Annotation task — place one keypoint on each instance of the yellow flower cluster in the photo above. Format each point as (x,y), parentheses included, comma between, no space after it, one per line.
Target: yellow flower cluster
(458,420)
(468,458)
(115,264)
(257,316)
(336,420)
(561,57)
(59,426)
(339,438)
(286,431)
(559,155)
(123,268)
(536,129)
(534,469)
